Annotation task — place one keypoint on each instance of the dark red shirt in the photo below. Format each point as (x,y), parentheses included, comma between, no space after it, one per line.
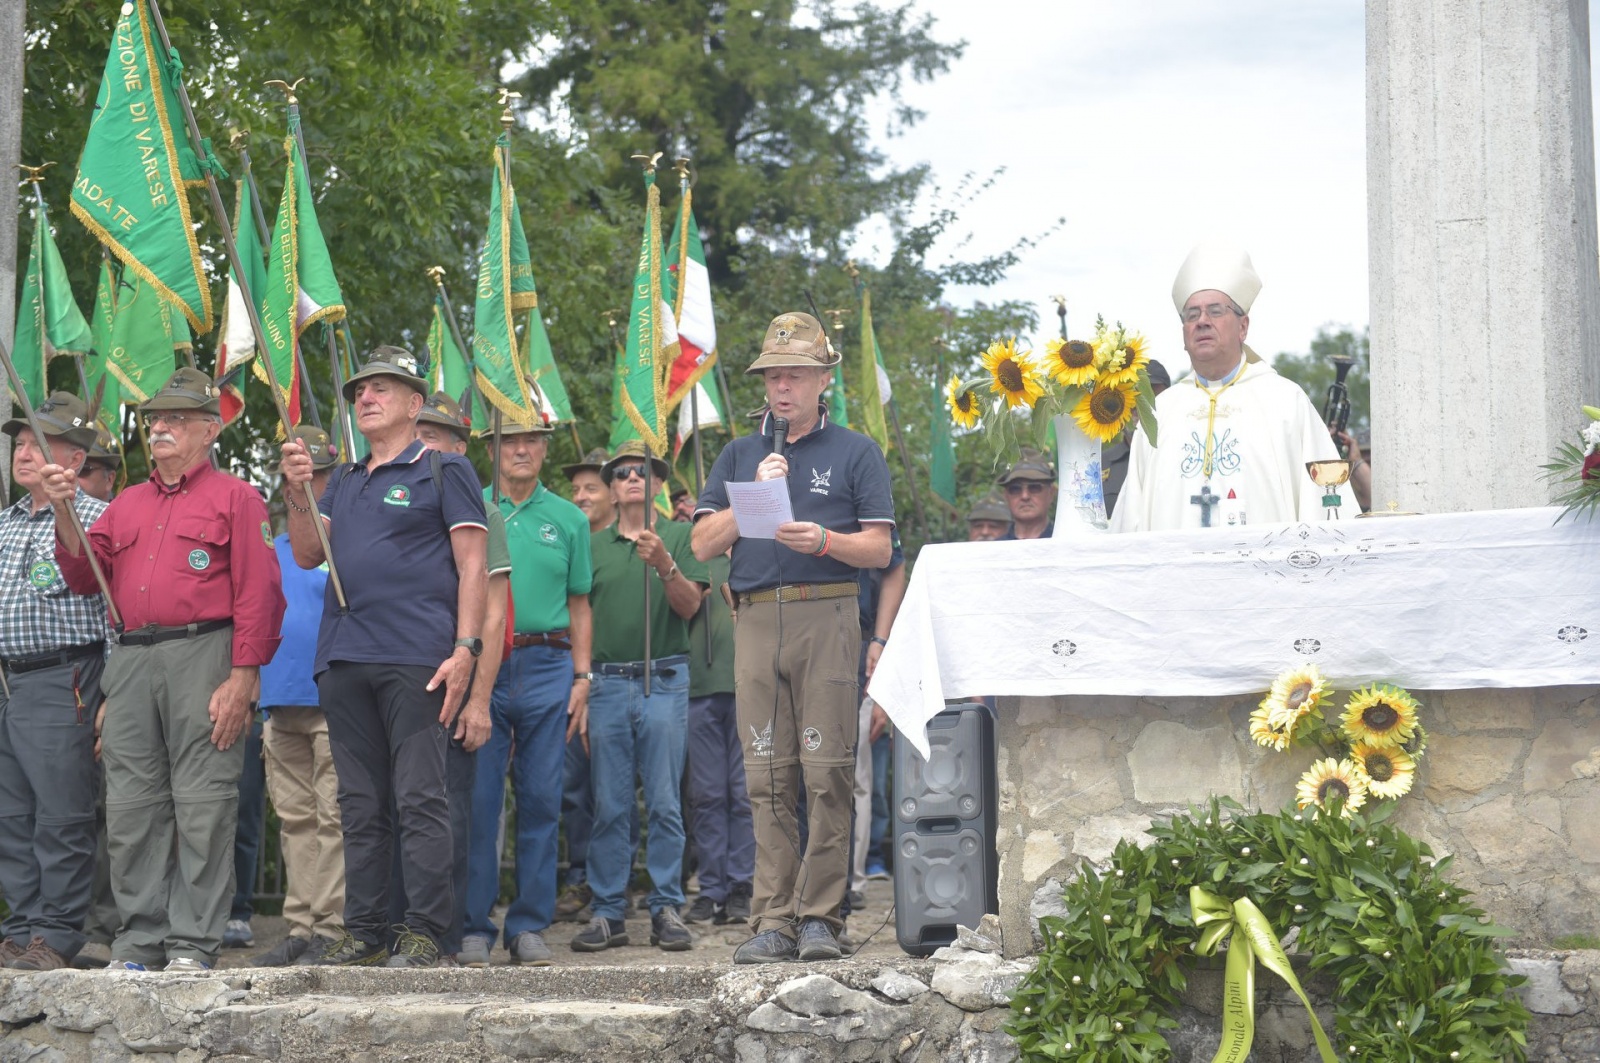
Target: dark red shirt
(184,553)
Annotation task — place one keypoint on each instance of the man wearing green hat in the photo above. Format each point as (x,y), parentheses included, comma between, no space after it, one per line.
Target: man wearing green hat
(988,518)
(408,537)
(796,646)
(98,478)
(189,558)
(631,732)
(52,648)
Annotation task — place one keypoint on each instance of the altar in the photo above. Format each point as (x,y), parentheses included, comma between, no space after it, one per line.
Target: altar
(1126,668)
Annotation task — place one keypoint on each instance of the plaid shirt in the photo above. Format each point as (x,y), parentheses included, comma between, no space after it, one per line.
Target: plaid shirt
(38,614)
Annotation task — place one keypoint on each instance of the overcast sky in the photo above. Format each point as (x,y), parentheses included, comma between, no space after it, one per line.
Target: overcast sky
(1150,126)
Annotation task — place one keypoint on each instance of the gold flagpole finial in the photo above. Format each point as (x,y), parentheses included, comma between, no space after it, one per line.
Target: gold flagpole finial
(507,119)
(649,161)
(436,275)
(34,174)
(850,268)
(288,89)
(238,138)
(1060,301)
(611,317)
(838,316)
(682,166)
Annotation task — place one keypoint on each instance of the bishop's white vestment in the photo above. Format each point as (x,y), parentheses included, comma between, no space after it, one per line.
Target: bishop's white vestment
(1262,433)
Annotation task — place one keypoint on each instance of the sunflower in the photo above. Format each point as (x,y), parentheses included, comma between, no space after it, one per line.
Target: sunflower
(1014,376)
(1135,359)
(1267,733)
(1416,745)
(1295,694)
(1381,715)
(964,408)
(1389,771)
(1070,363)
(1105,411)
(1329,779)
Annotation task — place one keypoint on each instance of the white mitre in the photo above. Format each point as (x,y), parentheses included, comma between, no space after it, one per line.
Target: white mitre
(1217,267)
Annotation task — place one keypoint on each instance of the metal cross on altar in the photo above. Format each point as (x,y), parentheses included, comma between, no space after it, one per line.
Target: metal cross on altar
(1205,500)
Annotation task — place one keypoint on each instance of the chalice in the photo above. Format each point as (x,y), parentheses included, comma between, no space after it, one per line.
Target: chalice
(1328,475)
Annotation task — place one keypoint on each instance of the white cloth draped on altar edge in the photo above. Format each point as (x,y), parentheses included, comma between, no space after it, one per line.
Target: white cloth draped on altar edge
(1507,598)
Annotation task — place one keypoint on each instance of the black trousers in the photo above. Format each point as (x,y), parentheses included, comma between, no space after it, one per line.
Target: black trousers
(461,771)
(388,746)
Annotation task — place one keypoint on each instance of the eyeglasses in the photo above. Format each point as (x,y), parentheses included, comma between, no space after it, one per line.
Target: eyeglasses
(1026,487)
(173,420)
(628,472)
(1213,311)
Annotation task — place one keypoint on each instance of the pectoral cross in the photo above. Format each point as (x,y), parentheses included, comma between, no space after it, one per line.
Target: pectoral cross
(1205,500)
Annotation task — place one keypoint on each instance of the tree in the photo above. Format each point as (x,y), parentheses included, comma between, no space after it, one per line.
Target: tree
(1315,371)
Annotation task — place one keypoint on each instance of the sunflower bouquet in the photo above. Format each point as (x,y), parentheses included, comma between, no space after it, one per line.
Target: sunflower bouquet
(1370,750)
(1576,470)
(1102,384)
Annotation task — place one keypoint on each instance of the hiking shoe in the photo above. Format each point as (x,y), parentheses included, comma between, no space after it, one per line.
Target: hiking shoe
(601,934)
(413,950)
(573,900)
(667,931)
(39,957)
(10,952)
(318,947)
(181,964)
(125,965)
(529,950)
(703,910)
(817,941)
(857,899)
(283,953)
(474,951)
(769,946)
(351,951)
(238,935)
(92,957)
(738,906)
(876,872)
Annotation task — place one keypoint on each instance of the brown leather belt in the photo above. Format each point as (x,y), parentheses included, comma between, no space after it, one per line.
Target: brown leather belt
(560,640)
(801,592)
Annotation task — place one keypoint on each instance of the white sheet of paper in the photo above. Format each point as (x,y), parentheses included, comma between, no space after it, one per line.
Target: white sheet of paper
(759,507)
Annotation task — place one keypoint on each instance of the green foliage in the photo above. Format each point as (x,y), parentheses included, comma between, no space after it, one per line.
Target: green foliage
(1414,966)
(1315,371)
(1576,941)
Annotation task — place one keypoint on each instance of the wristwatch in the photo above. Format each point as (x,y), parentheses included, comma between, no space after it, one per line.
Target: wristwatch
(583,675)
(474,646)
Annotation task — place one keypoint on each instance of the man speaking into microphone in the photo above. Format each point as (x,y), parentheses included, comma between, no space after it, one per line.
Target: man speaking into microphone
(798,636)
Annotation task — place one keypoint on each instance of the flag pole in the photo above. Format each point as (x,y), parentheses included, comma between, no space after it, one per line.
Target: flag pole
(436,274)
(649,162)
(72,512)
(35,174)
(682,166)
(197,143)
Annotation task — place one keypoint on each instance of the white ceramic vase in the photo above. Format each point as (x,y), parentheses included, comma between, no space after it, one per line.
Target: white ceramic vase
(1081,501)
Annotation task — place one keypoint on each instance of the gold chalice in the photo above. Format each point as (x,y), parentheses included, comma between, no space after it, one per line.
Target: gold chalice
(1328,475)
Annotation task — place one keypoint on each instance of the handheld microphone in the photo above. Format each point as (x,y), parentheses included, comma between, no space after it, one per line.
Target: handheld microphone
(780,435)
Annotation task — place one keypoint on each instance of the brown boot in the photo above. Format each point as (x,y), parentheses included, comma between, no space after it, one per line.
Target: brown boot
(573,900)
(10,952)
(39,957)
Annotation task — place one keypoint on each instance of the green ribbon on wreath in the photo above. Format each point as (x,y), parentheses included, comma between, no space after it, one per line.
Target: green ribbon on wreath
(1216,919)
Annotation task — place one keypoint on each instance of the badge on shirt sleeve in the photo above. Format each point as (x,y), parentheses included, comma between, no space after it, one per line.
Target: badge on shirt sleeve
(398,495)
(42,574)
(266,533)
(199,560)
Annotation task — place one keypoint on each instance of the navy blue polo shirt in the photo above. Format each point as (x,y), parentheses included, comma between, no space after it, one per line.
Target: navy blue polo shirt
(390,533)
(837,478)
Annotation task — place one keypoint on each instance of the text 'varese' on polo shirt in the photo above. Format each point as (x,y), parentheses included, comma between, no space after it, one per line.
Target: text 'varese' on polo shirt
(549,541)
(390,532)
(837,478)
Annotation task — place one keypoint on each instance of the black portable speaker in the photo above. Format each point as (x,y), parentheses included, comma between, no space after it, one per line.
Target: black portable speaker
(946,870)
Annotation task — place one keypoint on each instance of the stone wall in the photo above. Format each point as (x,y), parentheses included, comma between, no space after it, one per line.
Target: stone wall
(1510,785)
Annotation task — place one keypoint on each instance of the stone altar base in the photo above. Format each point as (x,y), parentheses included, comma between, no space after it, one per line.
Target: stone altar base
(1510,785)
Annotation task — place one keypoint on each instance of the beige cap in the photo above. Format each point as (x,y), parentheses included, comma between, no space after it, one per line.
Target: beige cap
(1030,465)
(1217,267)
(795,339)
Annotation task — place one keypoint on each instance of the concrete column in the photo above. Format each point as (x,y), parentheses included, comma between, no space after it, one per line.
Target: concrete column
(1482,247)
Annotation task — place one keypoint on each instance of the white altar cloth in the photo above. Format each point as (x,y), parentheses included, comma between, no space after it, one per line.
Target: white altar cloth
(1490,599)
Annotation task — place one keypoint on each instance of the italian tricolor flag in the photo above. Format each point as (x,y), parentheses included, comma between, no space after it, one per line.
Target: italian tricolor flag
(697,329)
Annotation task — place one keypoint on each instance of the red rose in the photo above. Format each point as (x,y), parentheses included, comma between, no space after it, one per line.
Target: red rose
(1591,466)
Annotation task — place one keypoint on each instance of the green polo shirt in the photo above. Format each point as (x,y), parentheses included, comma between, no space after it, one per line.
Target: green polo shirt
(617,596)
(713,675)
(549,541)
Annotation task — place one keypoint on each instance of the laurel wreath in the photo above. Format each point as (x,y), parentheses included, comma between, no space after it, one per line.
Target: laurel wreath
(1416,970)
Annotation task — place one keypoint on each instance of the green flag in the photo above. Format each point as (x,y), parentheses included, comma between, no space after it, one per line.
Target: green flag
(652,341)
(539,362)
(942,458)
(300,288)
(97,364)
(505,286)
(132,176)
(144,334)
(873,381)
(448,366)
(48,320)
(836,408)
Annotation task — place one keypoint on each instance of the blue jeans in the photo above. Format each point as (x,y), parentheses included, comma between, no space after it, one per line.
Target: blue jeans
(629,732)
(878,845)
(529,713)
(252,815)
